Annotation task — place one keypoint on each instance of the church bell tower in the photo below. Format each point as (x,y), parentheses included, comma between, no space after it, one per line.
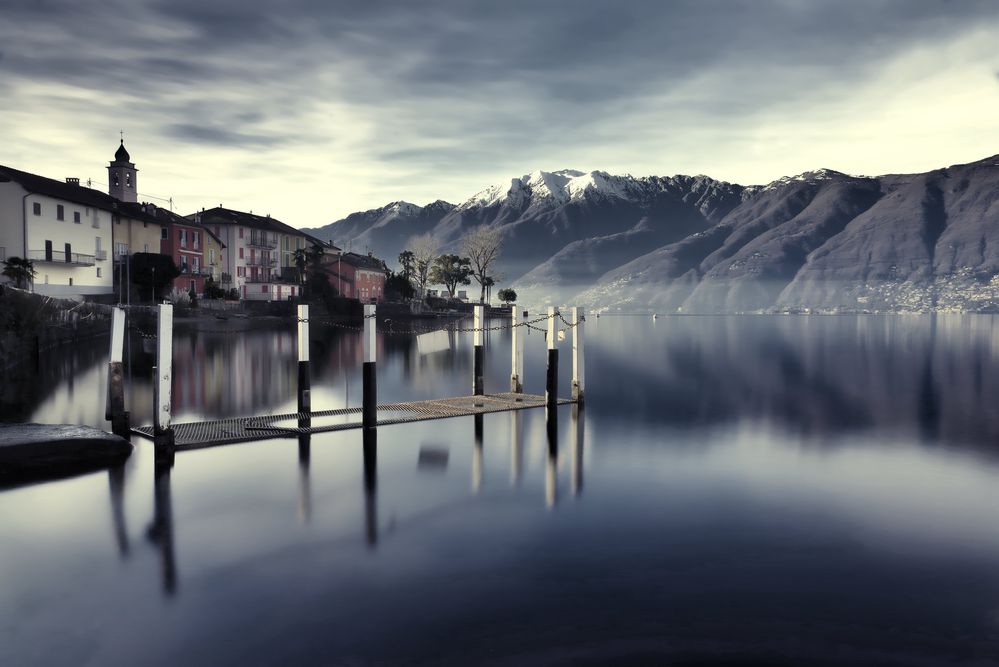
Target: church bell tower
(122,176)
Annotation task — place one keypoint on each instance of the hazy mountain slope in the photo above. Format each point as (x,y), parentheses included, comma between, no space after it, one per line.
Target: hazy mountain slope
(819,240)
(764,254)
(383,230)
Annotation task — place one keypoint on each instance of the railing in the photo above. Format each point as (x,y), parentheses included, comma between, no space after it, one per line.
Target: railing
(260,261)
(226,279)
(261,241)
(189,271)
(60,257)
(102,255)
(259,279)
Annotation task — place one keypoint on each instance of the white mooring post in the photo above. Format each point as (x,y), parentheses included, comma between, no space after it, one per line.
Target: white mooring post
(369,401)
(577,354)
(478,385)
(115,409)
(551,383)
(304,377)
(518,317)
(164,365)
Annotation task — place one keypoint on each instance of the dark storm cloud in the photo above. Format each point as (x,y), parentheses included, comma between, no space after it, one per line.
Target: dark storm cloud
(493,73)
(217,136)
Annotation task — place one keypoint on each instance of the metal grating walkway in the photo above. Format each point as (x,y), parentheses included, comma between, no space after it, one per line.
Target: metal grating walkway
(196,435)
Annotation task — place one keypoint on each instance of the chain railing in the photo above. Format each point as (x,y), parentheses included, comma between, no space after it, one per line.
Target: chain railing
(455,326)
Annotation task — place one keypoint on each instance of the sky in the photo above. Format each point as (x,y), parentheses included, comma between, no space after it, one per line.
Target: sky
(312,109)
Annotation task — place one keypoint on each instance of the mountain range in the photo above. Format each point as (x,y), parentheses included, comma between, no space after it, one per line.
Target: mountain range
(822,240)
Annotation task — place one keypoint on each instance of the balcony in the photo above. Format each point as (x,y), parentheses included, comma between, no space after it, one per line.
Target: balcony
(226,279)
(261,241)
(60,257)
(102,255)
(260,261)
(189,271)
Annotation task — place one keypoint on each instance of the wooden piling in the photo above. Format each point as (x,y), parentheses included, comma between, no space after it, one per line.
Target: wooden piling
(115,409)
(518,317)
(579,320)
(369,400)
(478,384)
(304,375)
(551,383)
(163,378)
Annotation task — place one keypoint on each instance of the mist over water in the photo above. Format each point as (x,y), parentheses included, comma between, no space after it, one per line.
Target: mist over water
(736,490)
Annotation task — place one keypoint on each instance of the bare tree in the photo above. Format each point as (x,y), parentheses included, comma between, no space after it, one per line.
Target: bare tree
(424,250)
(482,247)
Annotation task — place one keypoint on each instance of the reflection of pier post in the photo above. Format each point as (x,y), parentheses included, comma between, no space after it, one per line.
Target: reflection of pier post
(516,446)
(551,468)
(304,483)
(161,530)
(370,445)
(477,455)
(116,482)
(576,442)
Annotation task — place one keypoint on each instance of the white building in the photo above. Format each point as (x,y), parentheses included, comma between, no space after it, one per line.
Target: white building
(62,227)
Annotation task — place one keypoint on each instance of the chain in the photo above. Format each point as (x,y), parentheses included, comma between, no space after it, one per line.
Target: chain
(451,327)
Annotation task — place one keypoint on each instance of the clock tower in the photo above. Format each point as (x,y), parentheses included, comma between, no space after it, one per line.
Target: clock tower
(121,176)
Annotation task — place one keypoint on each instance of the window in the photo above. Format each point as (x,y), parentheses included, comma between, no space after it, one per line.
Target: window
(36,208)
(76,217)
(183,238)
(183,263)
(98,272)
(211,256)
(240,232)
(60,212)
(241,253)
(196,240)
(195,263)
(70,282)
(263,288)
(192,285)
(163,233)
(96,224)
(128,180)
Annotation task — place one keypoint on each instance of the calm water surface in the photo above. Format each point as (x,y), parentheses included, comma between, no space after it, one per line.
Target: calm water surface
(737,491)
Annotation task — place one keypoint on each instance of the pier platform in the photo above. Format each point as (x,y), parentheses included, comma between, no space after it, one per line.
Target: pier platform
(197,435)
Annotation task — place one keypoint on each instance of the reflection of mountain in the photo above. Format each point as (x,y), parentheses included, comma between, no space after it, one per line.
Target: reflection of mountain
(897,374)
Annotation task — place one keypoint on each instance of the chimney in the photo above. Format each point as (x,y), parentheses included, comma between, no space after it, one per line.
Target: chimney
(72,181)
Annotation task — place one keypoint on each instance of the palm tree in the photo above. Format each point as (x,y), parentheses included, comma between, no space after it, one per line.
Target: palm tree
(21,271)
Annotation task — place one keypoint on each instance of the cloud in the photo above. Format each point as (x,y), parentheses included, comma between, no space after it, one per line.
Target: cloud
(439,98)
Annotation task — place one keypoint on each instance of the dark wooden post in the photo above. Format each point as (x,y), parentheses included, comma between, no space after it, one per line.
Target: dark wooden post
(369,400)
(115,410)
(478,385)
(551,384)
(163,378)
(578,374)
(517,349)
(304,376)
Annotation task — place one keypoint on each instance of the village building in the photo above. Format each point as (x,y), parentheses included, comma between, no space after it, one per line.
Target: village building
(356,276)
(64,228)
(259,255)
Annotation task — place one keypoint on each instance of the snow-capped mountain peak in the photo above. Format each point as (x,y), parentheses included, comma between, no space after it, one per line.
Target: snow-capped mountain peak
(541,188)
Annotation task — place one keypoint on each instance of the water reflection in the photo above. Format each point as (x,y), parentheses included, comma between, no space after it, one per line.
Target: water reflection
(369,444)
(304,481)
(161,531)
(116,486)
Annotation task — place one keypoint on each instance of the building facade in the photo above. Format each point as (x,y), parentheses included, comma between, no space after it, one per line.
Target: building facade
(65,229)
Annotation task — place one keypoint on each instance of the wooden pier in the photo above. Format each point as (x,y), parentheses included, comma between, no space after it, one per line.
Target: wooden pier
(198,435)
(370,414)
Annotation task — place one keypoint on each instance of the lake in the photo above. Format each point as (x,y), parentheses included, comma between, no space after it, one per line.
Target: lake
(745,490)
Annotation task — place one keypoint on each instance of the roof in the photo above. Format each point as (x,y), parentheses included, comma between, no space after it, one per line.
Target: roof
(164,216)
(50,187)
(121,155)
(228,216)
(363,261)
